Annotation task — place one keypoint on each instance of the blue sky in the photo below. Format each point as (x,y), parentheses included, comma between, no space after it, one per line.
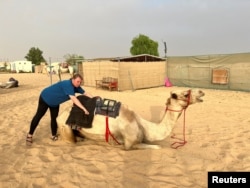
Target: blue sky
(105,28)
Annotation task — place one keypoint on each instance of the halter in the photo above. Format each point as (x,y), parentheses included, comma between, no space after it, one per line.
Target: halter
(181,142)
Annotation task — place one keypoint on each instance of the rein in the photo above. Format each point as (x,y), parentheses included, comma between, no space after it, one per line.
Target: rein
(183,141)
(108,133)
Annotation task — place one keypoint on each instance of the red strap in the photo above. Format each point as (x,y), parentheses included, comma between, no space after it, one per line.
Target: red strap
(181,142)
(107,129)
(108,133)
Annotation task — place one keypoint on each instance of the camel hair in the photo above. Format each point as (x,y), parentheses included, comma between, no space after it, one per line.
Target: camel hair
(129,128)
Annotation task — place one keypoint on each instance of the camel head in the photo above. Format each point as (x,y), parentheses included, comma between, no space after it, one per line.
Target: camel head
(184,98)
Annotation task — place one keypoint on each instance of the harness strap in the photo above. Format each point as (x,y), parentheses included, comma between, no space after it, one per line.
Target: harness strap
(107,129)
(108,133)
(183,141)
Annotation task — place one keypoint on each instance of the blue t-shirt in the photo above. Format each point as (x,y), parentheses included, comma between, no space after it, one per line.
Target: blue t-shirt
(59,92)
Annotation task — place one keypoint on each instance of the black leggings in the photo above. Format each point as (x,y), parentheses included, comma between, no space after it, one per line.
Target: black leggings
(41,110)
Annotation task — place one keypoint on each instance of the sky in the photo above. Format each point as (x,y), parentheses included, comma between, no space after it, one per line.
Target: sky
(105,28)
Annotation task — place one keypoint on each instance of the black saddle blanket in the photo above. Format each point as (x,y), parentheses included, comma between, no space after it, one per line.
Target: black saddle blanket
(94,105)
(77,116)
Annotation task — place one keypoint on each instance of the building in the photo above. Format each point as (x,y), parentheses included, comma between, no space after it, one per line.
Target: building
(132,73)
(21,66)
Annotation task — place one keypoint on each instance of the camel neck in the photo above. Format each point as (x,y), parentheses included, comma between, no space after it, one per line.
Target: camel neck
(171,116)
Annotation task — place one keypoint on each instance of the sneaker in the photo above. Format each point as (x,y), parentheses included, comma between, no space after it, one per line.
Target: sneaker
(54,138)
(29,140)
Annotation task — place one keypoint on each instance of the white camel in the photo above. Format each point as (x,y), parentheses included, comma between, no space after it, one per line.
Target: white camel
(57,69)
(129,128)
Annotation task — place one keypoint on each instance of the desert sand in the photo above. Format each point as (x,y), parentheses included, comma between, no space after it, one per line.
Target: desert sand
(217,134)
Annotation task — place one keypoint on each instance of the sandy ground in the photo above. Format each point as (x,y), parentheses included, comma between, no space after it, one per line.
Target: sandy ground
(217,134)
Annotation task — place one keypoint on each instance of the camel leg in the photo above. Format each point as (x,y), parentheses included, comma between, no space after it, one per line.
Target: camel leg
(71,71)
(128,144)
(133,138)
(59,74)
(130,140)
(131,134)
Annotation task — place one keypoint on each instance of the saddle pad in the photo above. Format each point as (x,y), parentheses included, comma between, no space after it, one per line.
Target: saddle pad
(77,116)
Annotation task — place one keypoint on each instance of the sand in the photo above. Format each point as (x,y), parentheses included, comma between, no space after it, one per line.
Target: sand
(217,134)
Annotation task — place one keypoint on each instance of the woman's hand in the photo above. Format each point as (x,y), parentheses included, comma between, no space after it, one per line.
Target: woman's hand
(86,112)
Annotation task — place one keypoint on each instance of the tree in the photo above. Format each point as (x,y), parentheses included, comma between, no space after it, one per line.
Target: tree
(72,59)
(35,56)
(144,45)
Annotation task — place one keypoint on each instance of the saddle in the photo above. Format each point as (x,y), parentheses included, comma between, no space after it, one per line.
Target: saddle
(77,118)
(107,107)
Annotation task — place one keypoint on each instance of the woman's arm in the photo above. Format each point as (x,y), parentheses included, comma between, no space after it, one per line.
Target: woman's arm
(78,103)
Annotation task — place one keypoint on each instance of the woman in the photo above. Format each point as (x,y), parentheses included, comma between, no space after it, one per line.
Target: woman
(51,97)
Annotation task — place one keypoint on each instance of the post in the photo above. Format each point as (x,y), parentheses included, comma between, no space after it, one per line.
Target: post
(50,71)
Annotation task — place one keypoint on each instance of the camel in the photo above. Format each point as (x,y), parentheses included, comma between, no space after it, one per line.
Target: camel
(129,128)
(57,69)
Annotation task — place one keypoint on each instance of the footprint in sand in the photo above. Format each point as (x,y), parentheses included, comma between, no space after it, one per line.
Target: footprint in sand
(242,156)
(48,157)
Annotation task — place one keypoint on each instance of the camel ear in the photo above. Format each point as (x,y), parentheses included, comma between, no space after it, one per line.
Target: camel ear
(174,96)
